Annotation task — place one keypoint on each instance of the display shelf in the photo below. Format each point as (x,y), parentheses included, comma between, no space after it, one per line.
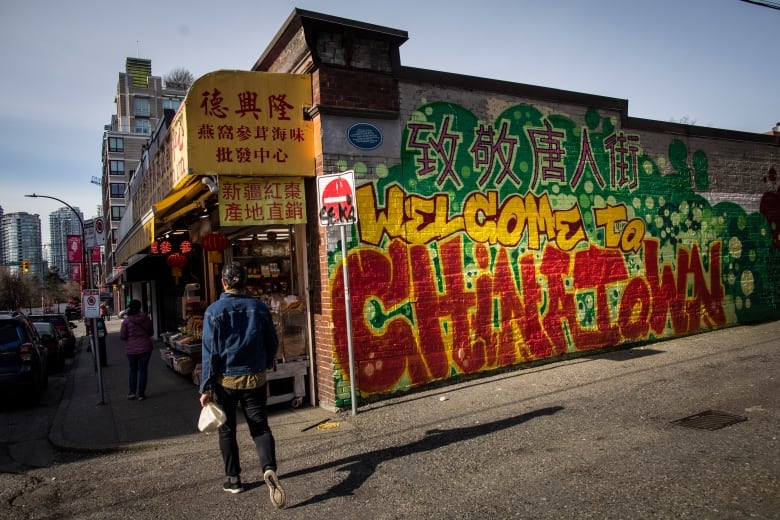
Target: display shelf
(297,370)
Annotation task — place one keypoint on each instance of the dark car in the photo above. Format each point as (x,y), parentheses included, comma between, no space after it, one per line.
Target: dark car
(63,325)
(54,342)
(23,359)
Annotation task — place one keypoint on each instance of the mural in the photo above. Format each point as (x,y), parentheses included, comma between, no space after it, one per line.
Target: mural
(535,236)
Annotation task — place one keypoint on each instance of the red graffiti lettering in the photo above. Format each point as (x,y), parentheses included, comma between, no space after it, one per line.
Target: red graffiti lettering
(420,313)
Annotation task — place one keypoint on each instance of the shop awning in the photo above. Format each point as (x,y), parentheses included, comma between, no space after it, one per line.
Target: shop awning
(136,240)
(179,201)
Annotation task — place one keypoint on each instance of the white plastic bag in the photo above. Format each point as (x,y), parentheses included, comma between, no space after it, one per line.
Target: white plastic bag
(211,418)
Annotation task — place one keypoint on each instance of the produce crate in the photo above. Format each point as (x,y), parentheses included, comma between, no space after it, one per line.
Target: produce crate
(183,365)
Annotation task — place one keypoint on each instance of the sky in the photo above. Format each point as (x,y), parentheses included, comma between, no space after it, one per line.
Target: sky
(707,62)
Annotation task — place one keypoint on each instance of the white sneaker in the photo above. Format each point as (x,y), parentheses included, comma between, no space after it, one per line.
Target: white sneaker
(275,489)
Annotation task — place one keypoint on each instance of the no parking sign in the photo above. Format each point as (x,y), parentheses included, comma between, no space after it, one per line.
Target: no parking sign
(90,303)
(336,198)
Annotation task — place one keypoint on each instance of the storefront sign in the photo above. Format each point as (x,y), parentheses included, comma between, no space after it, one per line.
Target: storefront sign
(336,197)
(244,123)
(246,201)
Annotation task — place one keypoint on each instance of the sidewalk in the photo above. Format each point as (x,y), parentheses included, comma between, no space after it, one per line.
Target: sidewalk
(83,422)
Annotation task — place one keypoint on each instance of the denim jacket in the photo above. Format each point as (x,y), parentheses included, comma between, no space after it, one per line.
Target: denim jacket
(239,338)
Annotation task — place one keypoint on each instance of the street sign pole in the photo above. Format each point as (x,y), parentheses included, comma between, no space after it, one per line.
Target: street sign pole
(348,316)
(91,279)
(336,197)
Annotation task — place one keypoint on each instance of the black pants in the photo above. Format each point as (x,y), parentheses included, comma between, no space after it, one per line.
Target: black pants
(253,403)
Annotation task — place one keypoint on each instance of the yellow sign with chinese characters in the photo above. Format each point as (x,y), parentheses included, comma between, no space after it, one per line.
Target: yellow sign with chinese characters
(244,123)
(247,201)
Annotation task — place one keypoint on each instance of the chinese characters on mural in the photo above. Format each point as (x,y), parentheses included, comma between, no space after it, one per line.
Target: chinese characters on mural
(534,237)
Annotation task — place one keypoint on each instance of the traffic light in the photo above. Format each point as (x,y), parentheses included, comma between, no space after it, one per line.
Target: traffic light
(25,266)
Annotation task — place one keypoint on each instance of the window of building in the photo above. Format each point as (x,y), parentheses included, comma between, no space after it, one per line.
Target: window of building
(118,190)
(116,144)
(117,212)
(117,167)
(142,126)
(141,106)
(171,103)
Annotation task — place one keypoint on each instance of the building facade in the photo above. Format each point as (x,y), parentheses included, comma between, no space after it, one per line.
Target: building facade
(21,234)
(62,223)
(2,238)
(488,224)
(140,99)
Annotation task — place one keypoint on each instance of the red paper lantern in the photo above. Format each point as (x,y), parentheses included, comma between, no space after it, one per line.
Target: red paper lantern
(176,261)
(214,243)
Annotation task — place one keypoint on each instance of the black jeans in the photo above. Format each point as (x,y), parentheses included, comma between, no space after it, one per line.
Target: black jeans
(137,374)
(253,403)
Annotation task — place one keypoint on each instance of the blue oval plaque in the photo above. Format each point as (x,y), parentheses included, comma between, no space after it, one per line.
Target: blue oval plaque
(364,136)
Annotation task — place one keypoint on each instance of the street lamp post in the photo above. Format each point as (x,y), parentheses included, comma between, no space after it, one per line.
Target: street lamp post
(95,349)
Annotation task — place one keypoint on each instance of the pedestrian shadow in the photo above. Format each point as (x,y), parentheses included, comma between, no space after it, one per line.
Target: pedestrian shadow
(359,468)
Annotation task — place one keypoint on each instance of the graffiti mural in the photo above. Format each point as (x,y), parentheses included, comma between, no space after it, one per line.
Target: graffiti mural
(495,243)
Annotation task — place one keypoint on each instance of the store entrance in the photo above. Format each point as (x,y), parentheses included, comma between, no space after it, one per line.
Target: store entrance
(274,259)
(272,256)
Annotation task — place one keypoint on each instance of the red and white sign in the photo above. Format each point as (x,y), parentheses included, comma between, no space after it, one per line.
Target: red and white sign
(100,231)
(74,249)
(90,303)
(336,199)
(94,232)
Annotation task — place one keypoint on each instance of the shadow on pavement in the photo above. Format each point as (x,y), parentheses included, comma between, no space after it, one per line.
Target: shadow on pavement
(360,467)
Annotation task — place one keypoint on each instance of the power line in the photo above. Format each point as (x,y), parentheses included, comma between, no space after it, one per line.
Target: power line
(764,3)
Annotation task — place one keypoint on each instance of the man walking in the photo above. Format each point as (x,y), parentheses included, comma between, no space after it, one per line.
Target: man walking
(239,343)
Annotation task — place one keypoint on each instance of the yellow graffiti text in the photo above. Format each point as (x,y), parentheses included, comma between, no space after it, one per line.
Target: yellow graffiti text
(484,219)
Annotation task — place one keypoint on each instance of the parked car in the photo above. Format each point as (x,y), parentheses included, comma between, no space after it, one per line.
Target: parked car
(63,325)
(23,359)
(54,342)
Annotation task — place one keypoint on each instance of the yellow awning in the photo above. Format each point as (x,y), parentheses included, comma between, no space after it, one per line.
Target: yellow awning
(136,240)
(186,193)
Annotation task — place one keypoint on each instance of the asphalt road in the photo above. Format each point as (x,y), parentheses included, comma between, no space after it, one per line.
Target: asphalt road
(592,437)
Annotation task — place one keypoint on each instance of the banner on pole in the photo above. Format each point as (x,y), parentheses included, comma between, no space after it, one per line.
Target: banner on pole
(73,243)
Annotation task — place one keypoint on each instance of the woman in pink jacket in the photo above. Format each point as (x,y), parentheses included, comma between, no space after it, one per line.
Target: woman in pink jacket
(136,332)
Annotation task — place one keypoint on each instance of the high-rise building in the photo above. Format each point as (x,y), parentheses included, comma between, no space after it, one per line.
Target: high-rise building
(2,239)
(62,223)
(21,233)
(141,99)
